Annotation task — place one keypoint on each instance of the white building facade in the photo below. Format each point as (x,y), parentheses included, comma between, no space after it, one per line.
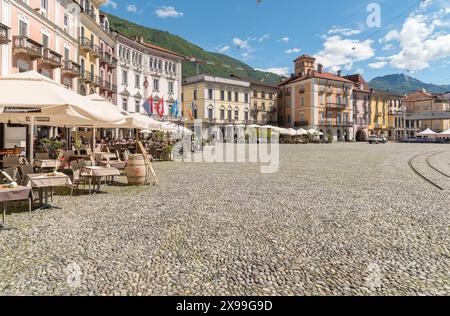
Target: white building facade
(145,70)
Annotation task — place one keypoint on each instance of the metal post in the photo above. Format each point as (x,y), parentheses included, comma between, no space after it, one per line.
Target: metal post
(30,139)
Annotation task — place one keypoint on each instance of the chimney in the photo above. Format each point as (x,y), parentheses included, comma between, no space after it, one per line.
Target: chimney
(320,68)
(339,73)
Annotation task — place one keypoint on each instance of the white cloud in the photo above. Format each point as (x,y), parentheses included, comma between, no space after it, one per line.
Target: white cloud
(293,51)
(338,52)
(262,38)
(285,40)
(378,65)
(388,47)
(223,49)
(240,43)
(132,8)
(281,71)
(110,3)
(168,12)
(343,31)
(420,42)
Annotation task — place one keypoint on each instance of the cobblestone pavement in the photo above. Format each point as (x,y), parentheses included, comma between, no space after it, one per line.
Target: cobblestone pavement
(345,219)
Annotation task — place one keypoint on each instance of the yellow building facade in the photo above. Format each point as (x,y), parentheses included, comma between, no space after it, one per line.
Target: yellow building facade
(216,101)
(379,113)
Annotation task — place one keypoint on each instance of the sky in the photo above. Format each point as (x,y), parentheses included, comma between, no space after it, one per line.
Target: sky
(355,36)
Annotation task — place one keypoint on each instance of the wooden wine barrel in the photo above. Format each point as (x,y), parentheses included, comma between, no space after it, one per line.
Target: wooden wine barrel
(137,171)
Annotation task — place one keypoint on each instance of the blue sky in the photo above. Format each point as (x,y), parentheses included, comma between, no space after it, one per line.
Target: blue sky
(412,36)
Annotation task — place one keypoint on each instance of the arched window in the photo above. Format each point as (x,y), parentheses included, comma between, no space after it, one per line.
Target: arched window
(222,113)
(246,117)
(210,112)
(230,115)
(236,113)
(195,113)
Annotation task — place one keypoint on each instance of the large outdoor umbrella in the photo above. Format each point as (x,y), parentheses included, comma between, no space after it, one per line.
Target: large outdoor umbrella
(446,133)
(302,132)
(31,98)
(427,133)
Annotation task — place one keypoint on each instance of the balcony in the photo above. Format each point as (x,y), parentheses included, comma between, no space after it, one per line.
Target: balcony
(96,51)
(105,58)
(86,44)
(95,80)
(335,123)
(337,106)
(107,85)
(4,34)
(113,62)
(71,69)
(91,13)
(86,76)
(27,47)
(51,58)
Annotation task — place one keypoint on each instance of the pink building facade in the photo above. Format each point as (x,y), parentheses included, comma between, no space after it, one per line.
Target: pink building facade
(361,107)
(41,36)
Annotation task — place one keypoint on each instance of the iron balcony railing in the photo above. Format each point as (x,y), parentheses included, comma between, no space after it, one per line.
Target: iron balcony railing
(86,75)
(51,58)
(26,46)
(86,43)
(71,68)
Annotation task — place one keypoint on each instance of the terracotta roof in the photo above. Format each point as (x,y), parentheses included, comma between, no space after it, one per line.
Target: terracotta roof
(360,83)
(304,56)
(315,74)
(162,49)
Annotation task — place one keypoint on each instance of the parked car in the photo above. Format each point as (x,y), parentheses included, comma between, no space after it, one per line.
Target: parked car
(375,139)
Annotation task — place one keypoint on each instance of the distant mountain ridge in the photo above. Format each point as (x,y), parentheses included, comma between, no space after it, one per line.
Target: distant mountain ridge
(401,83)
(180,45)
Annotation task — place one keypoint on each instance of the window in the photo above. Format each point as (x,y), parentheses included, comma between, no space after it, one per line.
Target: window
(210,113)
(236,97)
(156,84)
(138,81)
(230,114)
(66,21)
(23,28)
(222,114)
(125,77)
(236,114)
(263,107)
(195,113)
(170,87)
(222,95)
(263,94)
(210,94)
(271,96)
(255,94)
(124,104)
(229,95)
(137,106)
(246,115)
(302,101)
(246,98)
(92,71)
(45,40)
(195,95)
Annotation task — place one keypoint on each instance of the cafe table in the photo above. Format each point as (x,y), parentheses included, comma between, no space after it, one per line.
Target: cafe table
(46,164)
(97,173)
(19,193)
(105,156)
(45,181)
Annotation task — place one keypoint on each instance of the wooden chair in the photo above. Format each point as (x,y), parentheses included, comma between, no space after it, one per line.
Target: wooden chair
(77,179)
(11,161)
(11,172)
(24,171)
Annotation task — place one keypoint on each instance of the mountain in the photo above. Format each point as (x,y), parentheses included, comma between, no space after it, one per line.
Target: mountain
(401,83)
(182,46)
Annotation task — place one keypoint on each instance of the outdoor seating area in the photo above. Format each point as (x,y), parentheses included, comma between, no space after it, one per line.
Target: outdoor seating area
(66,146)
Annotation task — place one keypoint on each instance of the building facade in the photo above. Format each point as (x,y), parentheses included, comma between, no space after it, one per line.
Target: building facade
(361,107)
(264,97)
(379,112)
(312,98)
(397,129)
(145,70)
(216,101)
(421,105)
(38,36)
